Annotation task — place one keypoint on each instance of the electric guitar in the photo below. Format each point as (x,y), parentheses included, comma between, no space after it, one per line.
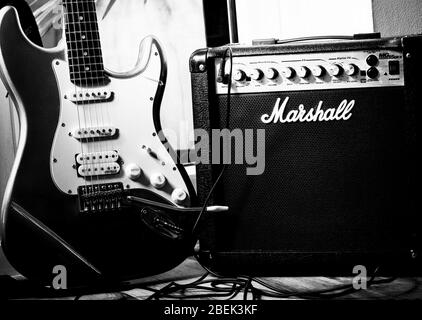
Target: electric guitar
(90,151)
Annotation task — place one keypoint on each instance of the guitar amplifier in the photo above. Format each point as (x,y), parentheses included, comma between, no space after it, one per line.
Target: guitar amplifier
(334,139)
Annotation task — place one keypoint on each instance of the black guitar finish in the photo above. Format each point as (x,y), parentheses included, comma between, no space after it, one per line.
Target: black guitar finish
(41,226)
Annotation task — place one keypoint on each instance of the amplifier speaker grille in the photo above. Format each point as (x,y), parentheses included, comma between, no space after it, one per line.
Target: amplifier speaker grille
(327,186)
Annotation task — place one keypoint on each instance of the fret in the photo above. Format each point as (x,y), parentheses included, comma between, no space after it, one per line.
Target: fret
(82,27)
(84,58)
(75,44)
(80,33)
(78,59)
(81,68)
(77,21)
(83,43)
(77,38)
(84,82)
(83,52)
(87,79)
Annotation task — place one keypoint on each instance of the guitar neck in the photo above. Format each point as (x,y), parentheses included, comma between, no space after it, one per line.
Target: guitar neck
(83,43)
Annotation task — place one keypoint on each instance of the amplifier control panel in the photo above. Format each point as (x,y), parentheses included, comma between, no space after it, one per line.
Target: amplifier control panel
(312,71)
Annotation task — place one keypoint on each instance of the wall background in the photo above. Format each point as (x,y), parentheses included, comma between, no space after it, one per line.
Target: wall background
(397,17)
(284,19)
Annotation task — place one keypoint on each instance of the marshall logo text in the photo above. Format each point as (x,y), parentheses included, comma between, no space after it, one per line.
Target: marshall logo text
(342,112)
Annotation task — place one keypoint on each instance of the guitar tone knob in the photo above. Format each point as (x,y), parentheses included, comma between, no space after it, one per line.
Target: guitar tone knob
(158,180)
(179,196)
(133,171)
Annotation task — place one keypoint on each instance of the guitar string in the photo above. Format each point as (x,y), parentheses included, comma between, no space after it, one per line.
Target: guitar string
(97,145)
(105,144)
(67,23)
(111,145)
(90,140)
(101,125)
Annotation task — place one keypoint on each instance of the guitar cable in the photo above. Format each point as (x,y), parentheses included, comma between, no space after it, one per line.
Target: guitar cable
(231,287)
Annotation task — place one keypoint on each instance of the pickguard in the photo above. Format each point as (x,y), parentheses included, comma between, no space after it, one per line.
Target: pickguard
(125,108)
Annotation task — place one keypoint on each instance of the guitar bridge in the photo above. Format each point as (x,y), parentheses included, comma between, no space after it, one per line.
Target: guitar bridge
(100,197)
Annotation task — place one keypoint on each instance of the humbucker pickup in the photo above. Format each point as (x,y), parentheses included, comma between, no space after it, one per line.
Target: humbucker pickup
(100,197)
(100,169)
(94,133)
(97,157)
(84,96)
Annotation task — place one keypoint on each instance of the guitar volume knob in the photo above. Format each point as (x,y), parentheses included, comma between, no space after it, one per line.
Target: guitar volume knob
(158,180)
(133,171)
(179,196)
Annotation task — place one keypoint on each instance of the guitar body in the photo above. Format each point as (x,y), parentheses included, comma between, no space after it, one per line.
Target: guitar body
(64,201)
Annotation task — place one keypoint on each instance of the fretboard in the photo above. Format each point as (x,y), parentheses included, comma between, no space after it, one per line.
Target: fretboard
(83,43)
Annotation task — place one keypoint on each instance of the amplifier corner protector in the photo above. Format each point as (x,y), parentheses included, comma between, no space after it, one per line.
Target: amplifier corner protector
(198,61)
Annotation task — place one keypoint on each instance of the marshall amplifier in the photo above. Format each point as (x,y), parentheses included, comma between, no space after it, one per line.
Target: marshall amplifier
(332,127)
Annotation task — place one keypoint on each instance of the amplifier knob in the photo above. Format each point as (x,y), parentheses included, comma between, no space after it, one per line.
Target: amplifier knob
(239,75)
(335,70)
(372,72)
(158,180)
(256,74)
(372,60)
(351,69)
(318,71)
(303,72)
(179,195)
(133,171)
(288,72)
(271,73)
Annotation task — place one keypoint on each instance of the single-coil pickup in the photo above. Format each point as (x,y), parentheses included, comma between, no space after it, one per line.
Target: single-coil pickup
(84,96)
(97,157)
(94,133)
(100,169)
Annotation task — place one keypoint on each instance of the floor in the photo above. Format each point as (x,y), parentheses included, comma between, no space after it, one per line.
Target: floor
(190,270)
(292,287)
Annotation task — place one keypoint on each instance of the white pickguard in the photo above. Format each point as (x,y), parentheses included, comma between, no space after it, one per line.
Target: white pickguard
(131,112)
